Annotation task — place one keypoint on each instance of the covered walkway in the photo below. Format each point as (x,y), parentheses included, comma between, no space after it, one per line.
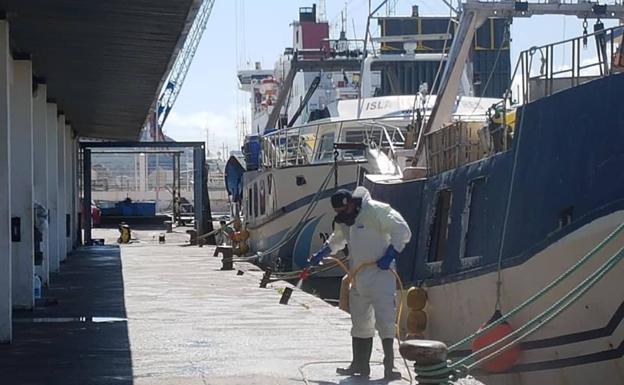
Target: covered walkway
(59,343)
(166,314)
(69,70)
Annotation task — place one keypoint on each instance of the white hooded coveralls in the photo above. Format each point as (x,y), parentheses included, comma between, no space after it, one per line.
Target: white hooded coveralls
(376,227)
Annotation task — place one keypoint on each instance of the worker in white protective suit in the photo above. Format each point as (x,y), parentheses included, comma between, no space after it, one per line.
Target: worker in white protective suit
(375,232)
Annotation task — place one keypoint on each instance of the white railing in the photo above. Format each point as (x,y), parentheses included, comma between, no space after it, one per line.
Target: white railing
(306,145)
(537,73)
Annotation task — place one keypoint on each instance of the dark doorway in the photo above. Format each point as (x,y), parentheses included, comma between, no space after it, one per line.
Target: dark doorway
(439,227)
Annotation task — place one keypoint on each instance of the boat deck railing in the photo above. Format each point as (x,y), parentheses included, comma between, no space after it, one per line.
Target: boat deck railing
(542,71)
(314,144)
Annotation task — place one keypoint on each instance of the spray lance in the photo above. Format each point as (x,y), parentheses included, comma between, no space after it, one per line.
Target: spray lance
(305,273)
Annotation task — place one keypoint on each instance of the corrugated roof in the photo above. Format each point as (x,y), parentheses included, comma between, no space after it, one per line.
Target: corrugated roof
(103,61)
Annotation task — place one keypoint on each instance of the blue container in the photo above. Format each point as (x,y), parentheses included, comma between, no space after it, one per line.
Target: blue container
(145,209)
(126,209)
(251,150)
(111,211)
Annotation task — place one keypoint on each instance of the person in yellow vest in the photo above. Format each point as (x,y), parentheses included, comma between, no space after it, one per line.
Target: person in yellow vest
(375,232)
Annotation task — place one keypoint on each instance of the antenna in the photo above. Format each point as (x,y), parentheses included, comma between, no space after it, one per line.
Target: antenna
(321,11)
(207,132)
(391,8)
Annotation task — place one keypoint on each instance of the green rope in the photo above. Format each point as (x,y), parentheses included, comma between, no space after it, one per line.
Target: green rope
(447,371)
(547,315)
(542,292)
(436,374)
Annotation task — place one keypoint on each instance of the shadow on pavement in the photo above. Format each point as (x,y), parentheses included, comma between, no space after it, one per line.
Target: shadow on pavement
(78,333)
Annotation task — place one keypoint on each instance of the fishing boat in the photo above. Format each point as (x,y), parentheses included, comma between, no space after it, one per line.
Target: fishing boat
(292,169)
(518,221)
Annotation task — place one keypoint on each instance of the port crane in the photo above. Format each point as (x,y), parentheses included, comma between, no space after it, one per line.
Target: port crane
(180,68)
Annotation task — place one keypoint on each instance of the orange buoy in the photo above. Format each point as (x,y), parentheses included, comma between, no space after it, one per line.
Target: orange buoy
(503,361)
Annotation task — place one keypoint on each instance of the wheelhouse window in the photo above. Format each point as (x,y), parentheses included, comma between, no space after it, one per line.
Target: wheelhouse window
(326,147)
(249,203)
(439,226)
(477,204)
(262,198)
(255,199)
(269,194)
(354,136)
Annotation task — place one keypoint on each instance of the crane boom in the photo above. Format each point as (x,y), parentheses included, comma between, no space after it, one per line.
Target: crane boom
(178,72)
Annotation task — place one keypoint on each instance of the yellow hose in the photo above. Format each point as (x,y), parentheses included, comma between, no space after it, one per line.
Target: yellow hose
(399,308)
(374,263)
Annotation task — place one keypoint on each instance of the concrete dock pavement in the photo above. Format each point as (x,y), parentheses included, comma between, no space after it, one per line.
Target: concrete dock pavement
(149,313)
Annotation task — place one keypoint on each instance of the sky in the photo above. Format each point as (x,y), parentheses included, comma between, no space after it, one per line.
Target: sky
(241,32)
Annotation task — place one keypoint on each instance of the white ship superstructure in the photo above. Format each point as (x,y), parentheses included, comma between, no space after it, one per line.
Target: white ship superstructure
(312,48)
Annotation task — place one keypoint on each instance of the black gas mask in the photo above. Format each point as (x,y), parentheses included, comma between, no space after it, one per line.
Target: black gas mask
(347,218)
(342,199)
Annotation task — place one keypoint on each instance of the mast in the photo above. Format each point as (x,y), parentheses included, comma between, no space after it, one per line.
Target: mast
(469,22)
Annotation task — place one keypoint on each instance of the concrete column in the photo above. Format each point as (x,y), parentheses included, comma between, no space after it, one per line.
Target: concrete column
(61,202)
(75,200)
(142,172)
(69,188)
(5,191)
(86,200)
(52,155)
(40,171)
(22,183)
(77,194)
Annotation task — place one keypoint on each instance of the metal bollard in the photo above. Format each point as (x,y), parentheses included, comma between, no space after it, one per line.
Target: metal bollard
(227,262)
(265,278)
(426,354)
(193,236)
(286,296)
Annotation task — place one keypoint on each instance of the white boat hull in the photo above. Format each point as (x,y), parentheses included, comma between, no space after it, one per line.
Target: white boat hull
(286,206)
(583,345)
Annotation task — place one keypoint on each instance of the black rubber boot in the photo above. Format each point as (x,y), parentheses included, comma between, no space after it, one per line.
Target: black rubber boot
(388,348)
(360,365)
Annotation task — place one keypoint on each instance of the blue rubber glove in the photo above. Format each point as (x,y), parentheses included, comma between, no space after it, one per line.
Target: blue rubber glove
(323,252)
(384,262)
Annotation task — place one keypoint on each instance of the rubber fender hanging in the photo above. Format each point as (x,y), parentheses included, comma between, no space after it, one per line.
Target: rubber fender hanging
(416,298)
(505,360)
(242,249)
(416,321)
(240,236)
(415,336)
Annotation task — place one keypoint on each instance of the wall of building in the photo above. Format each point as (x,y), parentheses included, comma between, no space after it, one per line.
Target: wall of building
(38,155)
